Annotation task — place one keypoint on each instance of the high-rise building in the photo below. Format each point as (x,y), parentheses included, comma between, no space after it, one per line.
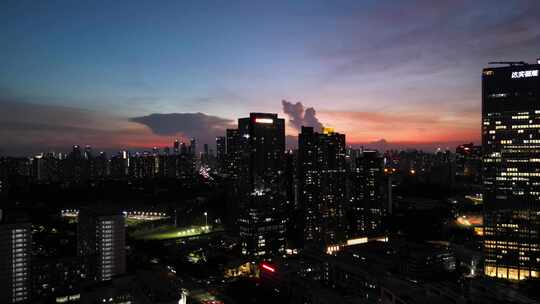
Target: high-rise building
(322,178)
(176,146)
(511,170)
(100,166)
(192,146)
(76,151)
(265,136)
(37,167)
(367,205)
(15,253)
(101,243)
(76,167)
(143,165)
(293,210)
(87,152)
(235,148)
(221,151)
(260,147)
(469,162)
(184,149)
(119,165)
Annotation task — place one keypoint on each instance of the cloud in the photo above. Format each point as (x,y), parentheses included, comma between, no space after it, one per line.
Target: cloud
(381,141)
(404,53)
(300,116)
(430,37)
(201,126)
(29,128)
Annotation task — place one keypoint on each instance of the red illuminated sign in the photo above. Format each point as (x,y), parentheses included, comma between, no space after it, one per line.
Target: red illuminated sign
(269,268)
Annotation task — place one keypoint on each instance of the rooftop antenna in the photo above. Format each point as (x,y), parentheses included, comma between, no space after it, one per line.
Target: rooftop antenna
(510,63)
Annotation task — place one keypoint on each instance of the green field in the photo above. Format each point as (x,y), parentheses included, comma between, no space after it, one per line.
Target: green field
(170,232)
(130,222)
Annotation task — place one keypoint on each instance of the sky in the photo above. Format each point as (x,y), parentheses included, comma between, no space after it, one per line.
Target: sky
(137,74)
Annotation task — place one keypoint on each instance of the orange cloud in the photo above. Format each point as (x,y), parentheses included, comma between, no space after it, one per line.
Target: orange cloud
(414,128)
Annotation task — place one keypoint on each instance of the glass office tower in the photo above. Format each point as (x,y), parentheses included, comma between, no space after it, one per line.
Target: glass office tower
(511,170)
(259,149)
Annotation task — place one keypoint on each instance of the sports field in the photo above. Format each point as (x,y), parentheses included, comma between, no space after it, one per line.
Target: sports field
(170,232)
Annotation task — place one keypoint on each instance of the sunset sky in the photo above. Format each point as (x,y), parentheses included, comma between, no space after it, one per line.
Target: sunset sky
(385,73)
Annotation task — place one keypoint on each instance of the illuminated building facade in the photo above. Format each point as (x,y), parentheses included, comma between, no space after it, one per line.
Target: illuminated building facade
(261,150)
(101,243)
(322,180)
(366,207)
(511,171)
(15,253)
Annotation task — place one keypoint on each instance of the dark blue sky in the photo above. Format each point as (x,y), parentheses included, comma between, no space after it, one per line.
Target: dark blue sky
(404,71)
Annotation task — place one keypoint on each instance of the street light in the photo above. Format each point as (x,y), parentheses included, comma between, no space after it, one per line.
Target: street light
(206,219)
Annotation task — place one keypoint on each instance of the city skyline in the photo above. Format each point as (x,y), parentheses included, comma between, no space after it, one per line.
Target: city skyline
(387,75)
(311,151)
